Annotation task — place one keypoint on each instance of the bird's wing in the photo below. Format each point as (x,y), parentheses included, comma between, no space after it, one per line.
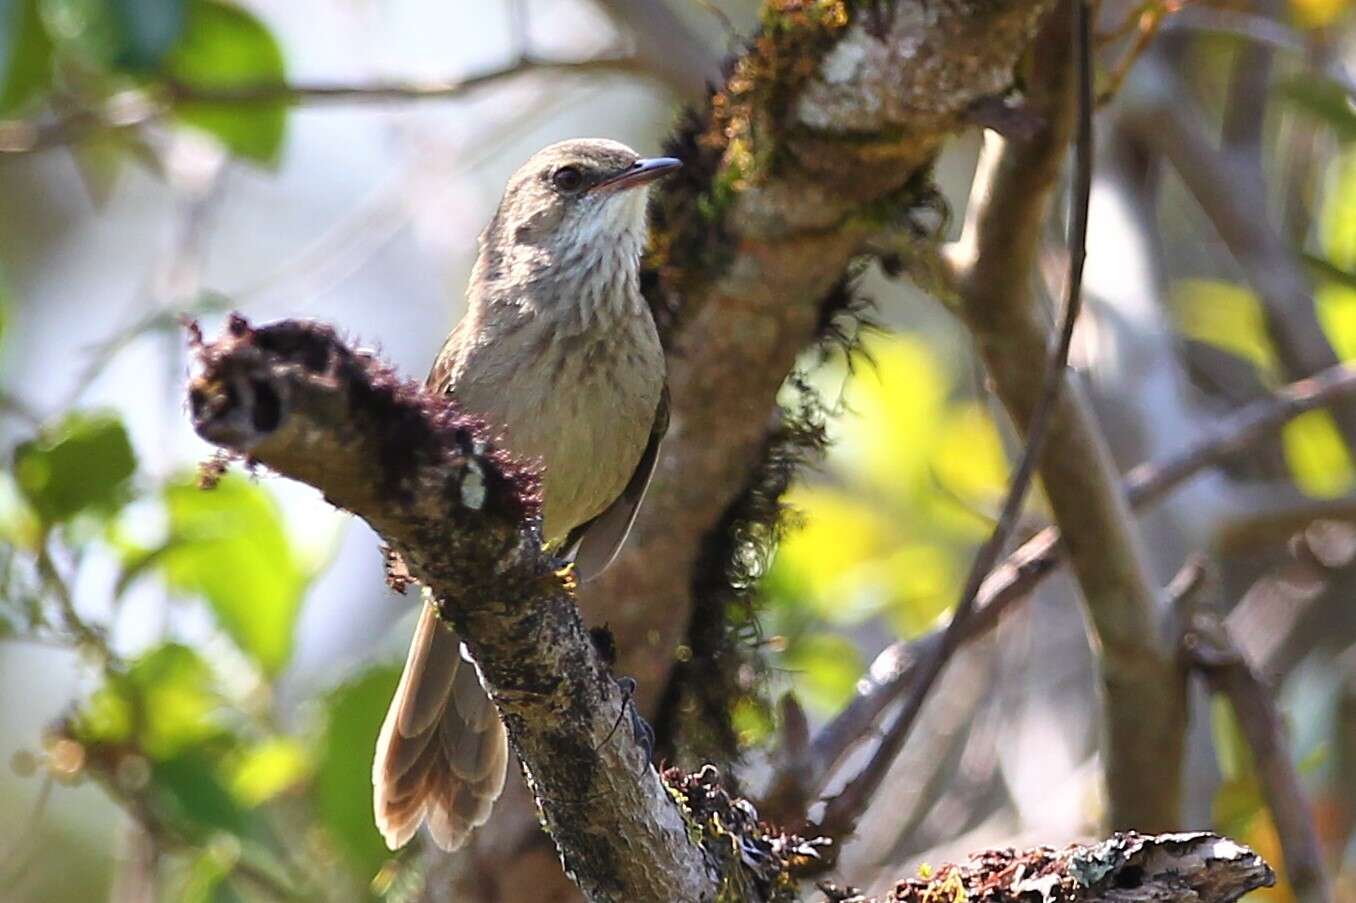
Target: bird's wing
(594,544)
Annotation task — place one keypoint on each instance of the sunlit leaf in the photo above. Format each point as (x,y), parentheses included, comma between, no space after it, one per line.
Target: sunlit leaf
(179,699)
(893,408)
(85,463)
(146,30)
(924,581)
(229,545)
(1335,297)
(1318,13)
(752,721)
(1226,316)
(269,769)
(106,717)
(343,777)
(1317,456)
(206,880)
(825,669)
(1325,99)
(25,55)
(1239,797)
(970,465)
(823,558)
(224,47)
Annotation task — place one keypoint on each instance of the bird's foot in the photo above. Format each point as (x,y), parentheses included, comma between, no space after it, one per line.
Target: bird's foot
(640,728)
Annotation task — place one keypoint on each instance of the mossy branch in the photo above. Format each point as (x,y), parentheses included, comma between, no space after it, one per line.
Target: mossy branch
(464,518)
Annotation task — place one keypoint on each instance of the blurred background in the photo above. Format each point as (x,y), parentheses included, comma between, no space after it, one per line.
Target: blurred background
(230,654)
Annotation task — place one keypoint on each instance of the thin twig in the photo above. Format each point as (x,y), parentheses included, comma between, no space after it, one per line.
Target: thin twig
(895,671)
(842,811)
(16,859)
(1223,184)
(84,634)
(138,108)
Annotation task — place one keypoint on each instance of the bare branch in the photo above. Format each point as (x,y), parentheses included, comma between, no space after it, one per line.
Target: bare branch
(1211,650)
(671,50)
(1125,868)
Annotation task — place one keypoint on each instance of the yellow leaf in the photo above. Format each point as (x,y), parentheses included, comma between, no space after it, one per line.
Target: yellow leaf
(1225,315)
(893,408)
(1317,13)
(1317,457)
(825,558)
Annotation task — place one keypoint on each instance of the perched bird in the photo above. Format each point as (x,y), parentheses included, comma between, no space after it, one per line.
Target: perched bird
(559,355)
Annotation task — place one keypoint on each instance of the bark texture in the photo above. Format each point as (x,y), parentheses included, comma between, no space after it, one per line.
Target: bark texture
(1125,868)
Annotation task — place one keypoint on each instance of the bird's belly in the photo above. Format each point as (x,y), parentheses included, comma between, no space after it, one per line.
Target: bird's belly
(585,418)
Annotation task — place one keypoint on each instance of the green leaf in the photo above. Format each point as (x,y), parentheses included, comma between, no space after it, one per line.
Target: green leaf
(206,880)
(344,773)
(1325,99)
(224,48)
(229,546)
(1326,269)
(826,667)
(1239,798)
(145,31)
(83,464)
(167,699)
(25,55)
(190,788)
(179,700)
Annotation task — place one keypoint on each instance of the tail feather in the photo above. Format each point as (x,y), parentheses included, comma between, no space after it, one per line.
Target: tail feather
(442,753)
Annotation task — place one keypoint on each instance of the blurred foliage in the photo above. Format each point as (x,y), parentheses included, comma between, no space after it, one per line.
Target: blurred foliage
(225,47)
(885,531)
(78,55)
(230,546)
(192,743)
(83,464)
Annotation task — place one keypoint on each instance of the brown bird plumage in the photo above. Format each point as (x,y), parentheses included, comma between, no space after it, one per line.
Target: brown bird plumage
(560,356)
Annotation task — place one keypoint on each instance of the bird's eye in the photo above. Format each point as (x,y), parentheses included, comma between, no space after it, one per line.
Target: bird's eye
(567,179)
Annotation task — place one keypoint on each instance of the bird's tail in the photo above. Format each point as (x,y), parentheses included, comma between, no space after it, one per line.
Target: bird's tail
(442,752)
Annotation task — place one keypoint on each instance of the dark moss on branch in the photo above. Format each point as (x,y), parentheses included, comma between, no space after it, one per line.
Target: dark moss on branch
(726,664)
(758,862)
(407,424)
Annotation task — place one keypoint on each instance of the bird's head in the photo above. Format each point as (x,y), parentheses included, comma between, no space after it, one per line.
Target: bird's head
(576,199)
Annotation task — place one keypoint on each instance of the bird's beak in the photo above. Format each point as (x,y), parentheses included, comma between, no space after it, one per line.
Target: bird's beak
(642,172)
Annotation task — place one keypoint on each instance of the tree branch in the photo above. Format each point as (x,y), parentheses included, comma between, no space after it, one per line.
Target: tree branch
(464,518)
(1125,868)
(1144,693)
(1072,30)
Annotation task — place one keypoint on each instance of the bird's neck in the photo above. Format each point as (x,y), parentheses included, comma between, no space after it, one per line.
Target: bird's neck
(582,287)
